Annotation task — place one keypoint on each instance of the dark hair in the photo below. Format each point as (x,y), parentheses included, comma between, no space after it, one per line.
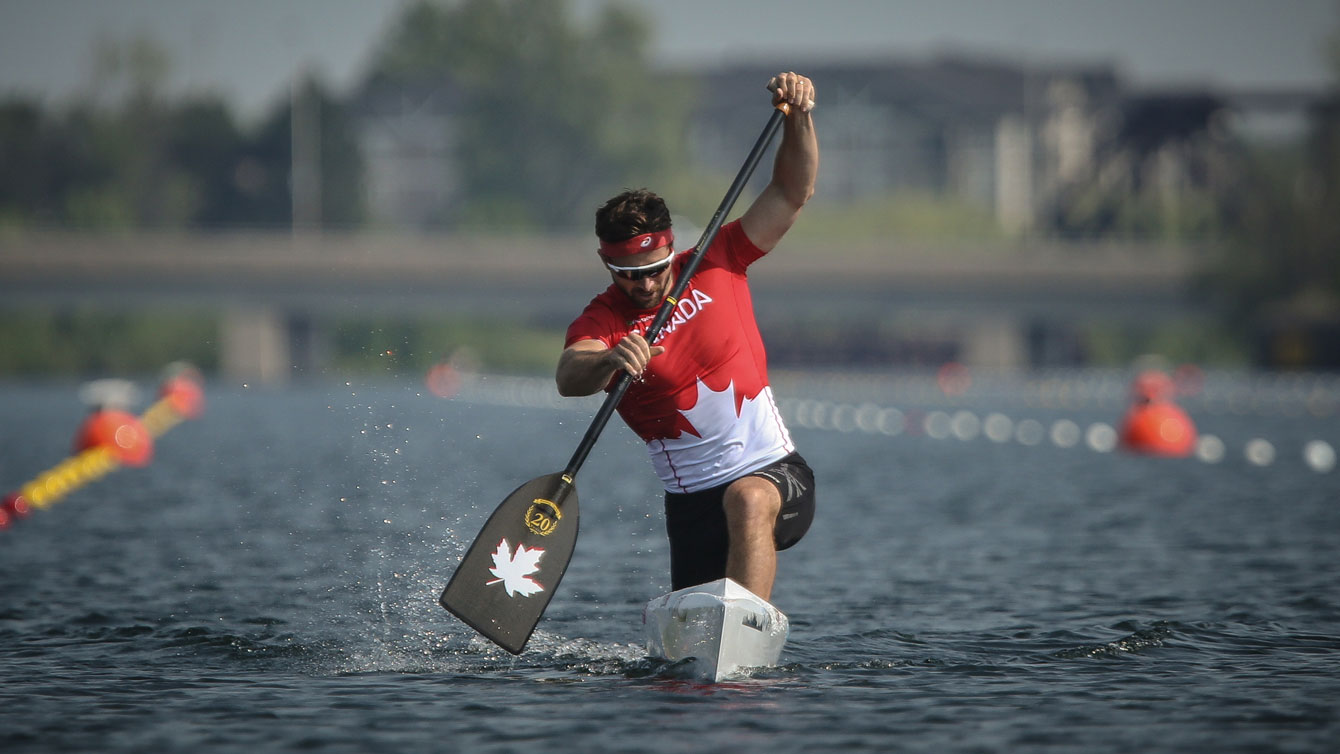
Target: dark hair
(631,213)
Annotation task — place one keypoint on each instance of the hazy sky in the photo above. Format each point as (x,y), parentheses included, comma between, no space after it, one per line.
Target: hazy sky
(248,49)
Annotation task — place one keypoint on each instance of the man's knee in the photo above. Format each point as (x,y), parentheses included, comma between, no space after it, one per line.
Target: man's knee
(752,502)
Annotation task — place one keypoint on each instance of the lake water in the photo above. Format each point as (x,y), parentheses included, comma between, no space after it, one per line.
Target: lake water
(984,574)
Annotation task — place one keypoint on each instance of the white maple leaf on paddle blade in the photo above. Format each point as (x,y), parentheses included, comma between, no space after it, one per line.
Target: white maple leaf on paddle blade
(514,570)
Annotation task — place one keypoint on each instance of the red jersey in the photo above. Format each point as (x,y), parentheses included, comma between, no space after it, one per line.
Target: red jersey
(704,406)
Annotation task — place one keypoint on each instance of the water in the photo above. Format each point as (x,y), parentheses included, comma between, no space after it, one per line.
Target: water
(270,584)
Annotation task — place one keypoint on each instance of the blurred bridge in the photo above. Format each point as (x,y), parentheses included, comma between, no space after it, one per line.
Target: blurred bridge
(1002,304)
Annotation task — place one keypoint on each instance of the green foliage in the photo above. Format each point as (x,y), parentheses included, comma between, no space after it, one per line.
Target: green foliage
(129,158)
(1099,212)
(263,173)
(1181,342)
(89,342)
(554,116)
(1285,248)
(411,345)
(906,216)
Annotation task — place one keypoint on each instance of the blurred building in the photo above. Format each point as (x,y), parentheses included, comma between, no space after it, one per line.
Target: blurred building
(1057,153)
(995,135)
(1031,143)
(1035,144)
(408,144)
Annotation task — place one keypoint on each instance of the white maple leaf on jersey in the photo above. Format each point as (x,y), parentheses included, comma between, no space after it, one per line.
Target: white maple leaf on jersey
(514,569)
(714,407)
(715,414)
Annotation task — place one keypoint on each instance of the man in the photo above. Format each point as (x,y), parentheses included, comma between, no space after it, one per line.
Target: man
(736,490)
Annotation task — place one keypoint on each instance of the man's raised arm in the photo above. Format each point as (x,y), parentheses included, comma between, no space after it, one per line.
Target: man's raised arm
(795,170)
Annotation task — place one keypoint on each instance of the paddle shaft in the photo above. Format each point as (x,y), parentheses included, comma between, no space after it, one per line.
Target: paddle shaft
(667,307)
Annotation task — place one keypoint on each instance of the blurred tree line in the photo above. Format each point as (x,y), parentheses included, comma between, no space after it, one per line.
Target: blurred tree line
(1166,168)
(550,112)
(1277,277)
(128,157)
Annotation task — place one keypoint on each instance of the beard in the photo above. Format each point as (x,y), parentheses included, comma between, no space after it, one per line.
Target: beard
(644,299)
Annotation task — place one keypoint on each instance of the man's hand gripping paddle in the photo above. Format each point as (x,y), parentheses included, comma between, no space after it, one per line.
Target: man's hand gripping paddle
(507,577)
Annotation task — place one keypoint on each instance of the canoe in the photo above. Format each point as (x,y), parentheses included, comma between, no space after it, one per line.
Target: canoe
(723,626)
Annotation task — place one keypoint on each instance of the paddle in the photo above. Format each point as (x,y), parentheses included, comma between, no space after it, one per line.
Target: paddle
(507,577)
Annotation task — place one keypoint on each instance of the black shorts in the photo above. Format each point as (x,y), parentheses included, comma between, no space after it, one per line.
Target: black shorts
(696,522)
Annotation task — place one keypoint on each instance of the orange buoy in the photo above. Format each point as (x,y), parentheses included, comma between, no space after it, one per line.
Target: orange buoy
(181,396)
(184,394)
(16,506)
(443,380)
(1154,424)
(954,379)
(120,432)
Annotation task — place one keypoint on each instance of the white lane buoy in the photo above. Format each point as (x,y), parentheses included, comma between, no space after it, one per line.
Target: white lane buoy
(844,418)
(1065,434)
(1101,437)
(800,413)
(867,418)
(819,414)
(998,428)
(1320,456)
(1029,432)
(938,425)
(966,425)
(1260,452)
(1210,449)
(891,421)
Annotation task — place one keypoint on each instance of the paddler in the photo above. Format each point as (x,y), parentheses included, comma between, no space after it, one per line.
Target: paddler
(736,490)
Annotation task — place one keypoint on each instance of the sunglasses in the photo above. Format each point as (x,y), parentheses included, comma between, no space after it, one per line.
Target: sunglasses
(642,271)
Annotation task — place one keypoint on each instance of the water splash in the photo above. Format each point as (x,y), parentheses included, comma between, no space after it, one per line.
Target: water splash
(1135,643)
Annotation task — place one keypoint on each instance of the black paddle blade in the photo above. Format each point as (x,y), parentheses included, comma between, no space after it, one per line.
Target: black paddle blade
(509,574)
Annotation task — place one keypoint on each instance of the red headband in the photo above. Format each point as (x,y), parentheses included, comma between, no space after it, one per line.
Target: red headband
(638,244)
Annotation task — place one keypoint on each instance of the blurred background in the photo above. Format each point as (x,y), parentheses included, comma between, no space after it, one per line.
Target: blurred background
(305,189)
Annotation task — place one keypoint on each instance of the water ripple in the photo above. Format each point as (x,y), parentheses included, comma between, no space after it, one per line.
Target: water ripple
(270,584)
